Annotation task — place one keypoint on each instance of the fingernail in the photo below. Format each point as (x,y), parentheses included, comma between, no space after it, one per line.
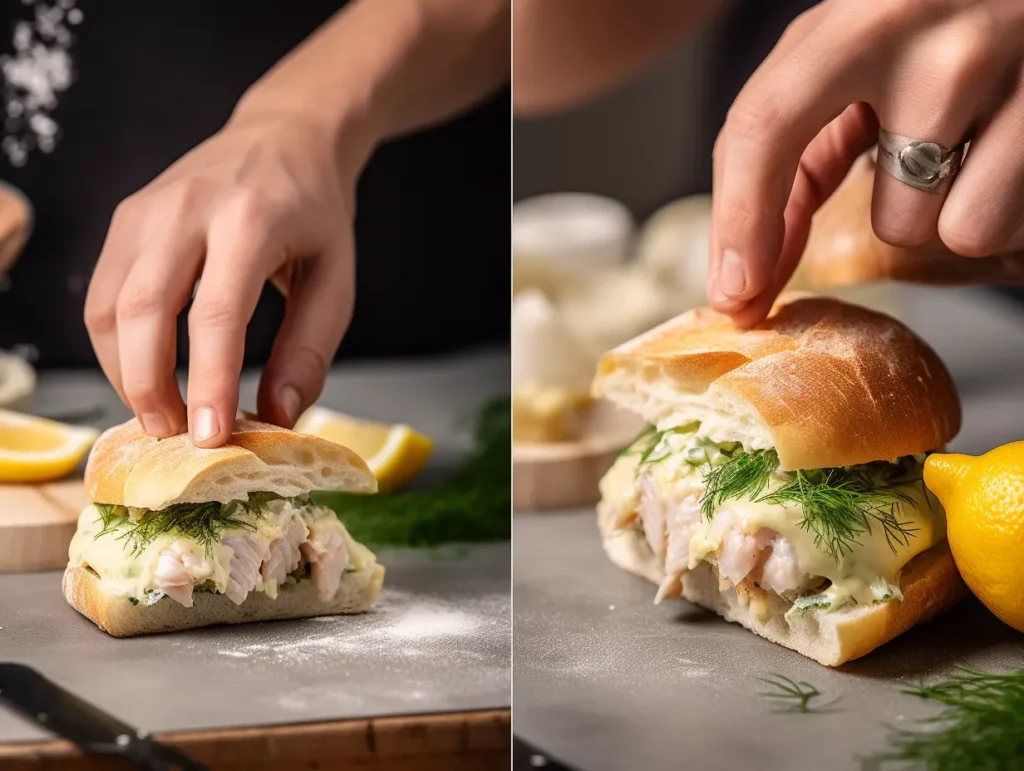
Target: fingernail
(155,424)
(292,403)
(732,279)
(205,424)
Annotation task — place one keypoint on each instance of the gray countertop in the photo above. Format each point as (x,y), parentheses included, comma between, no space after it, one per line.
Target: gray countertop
(437,641)
(605,680)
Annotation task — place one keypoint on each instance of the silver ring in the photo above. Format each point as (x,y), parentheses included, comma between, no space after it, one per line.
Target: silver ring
(916,162)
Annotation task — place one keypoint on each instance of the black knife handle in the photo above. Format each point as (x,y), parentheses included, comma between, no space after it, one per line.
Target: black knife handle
(94,731)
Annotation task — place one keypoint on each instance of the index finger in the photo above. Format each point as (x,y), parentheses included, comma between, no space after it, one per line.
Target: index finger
(241,254)
(774,119)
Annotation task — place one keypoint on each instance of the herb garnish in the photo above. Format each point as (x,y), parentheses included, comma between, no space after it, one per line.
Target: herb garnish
(201,522)
(650,443)
(839,504)
(982,726)
(471,506)
(796,696)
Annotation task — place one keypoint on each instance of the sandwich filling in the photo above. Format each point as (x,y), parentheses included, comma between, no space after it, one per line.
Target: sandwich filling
(235,548)
(816,539)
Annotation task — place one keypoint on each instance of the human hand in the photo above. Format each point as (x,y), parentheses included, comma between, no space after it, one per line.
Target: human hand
(267,198)
(936,70)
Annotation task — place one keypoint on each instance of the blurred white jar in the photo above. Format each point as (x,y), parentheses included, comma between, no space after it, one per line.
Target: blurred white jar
(558,238)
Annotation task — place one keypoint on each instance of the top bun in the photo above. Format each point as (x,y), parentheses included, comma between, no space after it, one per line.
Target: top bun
(127,467)
(824,382)
(843,250)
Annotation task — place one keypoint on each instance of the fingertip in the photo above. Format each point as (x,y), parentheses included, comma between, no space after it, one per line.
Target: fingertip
(208,428)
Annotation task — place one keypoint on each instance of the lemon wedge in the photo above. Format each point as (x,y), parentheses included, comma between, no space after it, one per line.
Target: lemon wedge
(395,453)
(38,450)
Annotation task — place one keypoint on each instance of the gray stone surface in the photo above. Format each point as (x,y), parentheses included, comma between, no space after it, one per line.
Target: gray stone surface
(606,681)
(439,639)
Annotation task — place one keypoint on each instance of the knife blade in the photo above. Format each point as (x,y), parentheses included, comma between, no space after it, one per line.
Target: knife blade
(54,709)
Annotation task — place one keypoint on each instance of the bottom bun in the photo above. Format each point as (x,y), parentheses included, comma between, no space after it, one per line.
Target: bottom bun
(930,584)
(117,616)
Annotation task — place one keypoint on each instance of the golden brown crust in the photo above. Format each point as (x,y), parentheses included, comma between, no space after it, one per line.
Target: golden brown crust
(843,250)
(931,585)
(128,467)
(115,615)
(827,382)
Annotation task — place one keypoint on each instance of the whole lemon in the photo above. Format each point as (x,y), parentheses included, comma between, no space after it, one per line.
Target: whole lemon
(984,501)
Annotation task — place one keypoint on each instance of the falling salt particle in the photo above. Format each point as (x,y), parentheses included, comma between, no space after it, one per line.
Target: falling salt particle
(22,36)
(611,607)
(538,761)
(38,71)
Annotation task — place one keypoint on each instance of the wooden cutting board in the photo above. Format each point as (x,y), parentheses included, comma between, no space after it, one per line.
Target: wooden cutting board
(37,523)
(560,475)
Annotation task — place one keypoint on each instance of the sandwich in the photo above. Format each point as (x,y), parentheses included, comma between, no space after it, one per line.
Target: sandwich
(842,248)
(179,537)
(779,480)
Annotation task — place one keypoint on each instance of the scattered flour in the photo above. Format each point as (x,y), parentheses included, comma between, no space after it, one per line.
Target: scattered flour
(401,626)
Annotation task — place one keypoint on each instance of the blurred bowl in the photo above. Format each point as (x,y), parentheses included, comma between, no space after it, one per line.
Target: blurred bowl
(561,236)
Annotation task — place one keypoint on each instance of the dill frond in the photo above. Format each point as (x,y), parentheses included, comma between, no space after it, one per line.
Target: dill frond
(839,504)
(471,506)
(745,475)
(981,727)
(795,696)
(203,523)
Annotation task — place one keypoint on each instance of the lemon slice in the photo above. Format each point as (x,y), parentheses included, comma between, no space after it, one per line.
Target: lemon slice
(37,450)
(395,454)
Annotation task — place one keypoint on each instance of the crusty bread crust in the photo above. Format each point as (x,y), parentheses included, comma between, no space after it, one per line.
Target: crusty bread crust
(130,468)
(824,382)
(115,615)
(930,584)
(843,250)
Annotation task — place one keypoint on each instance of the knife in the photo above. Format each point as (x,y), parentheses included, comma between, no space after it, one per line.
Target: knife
(52,708)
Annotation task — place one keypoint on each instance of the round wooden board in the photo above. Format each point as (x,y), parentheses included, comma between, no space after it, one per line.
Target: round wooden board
(37,523)
(562,475)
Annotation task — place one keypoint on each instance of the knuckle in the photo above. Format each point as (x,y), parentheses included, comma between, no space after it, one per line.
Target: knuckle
(740,218)
(966,239)
(100,317)
(965,58)
(141,389)
(183,196)
(127,211)
(753,118)
(137,302)
(217,312)
(251,209)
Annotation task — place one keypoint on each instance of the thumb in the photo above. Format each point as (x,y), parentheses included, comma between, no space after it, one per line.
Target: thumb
(318,309)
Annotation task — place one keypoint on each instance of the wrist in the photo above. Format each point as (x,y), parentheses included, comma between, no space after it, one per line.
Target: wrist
(346,131)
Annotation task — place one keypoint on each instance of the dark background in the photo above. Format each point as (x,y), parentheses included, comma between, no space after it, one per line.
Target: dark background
(155,78)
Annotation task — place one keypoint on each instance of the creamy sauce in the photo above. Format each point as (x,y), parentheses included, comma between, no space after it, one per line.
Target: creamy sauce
(867,573)
(122,573)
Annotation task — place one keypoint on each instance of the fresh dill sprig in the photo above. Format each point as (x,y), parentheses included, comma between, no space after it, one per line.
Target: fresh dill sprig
(839,504)
(980,729)
(471,506)
(203,523)
(745,475)
(650,443)
(795,696)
